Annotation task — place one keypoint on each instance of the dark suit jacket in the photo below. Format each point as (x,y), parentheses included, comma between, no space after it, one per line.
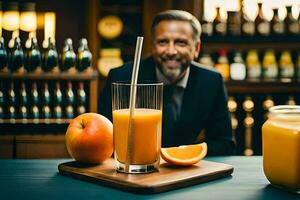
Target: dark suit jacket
(204,107)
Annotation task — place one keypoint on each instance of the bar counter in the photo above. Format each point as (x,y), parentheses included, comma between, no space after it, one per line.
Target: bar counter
(39,179)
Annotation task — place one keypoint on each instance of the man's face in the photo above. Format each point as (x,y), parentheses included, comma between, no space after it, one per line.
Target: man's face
(174,48)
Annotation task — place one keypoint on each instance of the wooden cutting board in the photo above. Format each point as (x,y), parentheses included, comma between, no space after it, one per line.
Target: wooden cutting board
(167,178)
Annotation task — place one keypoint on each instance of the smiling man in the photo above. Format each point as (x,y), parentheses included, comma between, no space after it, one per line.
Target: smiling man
(195,101)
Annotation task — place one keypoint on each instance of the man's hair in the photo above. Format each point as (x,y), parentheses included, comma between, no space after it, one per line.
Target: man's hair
(178,15)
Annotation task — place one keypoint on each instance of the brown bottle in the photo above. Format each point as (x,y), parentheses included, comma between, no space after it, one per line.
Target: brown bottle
(262,25)
(248,26)
(234,23)
(277,25)
(220,27)
(292,25)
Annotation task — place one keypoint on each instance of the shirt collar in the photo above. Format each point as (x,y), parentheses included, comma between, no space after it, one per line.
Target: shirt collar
(182,83)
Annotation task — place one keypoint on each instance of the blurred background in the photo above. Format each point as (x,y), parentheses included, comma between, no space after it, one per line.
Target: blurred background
(55,56)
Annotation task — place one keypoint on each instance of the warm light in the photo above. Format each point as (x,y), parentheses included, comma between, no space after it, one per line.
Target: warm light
(10,20)
(28,21)
(49,25)
(225,5)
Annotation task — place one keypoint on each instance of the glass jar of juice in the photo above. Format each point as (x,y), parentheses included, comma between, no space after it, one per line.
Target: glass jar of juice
(281,147)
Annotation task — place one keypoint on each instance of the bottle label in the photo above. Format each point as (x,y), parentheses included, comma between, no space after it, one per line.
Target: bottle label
(278,28)
(223,69)
(254,71)
(237,71)
(270,71)
(248,28)
(207,29)
(221,28)
(263,28)
(294,27)
(287,71)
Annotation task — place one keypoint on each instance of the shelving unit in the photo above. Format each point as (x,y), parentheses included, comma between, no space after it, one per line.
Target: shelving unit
(36,138)
(263,86)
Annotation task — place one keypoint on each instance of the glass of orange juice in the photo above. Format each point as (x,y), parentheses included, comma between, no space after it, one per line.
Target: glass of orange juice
(281,147)
(137,134)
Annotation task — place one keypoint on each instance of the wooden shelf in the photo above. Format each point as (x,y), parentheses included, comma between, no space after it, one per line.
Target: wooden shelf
(263,86)
(51,76)
(214,43)
(34,121)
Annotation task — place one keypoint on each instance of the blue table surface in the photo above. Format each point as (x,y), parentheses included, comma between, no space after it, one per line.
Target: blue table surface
(39,179)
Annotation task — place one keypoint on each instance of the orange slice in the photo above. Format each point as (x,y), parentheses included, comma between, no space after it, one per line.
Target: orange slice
(184,155)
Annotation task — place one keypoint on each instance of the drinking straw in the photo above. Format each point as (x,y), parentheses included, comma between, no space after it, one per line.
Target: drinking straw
(133,86)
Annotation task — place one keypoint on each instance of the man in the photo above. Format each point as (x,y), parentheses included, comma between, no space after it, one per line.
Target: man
(195,102)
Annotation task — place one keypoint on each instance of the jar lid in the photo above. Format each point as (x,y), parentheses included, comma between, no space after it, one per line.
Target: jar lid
(285,109)
(289,113)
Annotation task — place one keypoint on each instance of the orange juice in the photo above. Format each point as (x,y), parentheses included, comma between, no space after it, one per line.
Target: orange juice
(281,149)
(146,135)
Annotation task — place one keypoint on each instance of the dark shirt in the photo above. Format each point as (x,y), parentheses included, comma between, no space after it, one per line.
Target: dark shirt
(204,107)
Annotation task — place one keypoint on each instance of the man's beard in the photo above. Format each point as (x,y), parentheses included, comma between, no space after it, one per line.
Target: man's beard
(173,74)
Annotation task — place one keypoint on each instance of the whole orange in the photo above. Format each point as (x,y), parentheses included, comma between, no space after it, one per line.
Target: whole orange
(89,138)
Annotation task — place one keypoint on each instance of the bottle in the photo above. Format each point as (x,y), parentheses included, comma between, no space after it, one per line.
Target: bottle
(286,65)
(253,65)
(298,66)
(222,64)
(262,25)
(206,59)
(68,56)
(238,67)
(46,113)
(277,25)
(57,110)
(234,23)
(232,106)
(17,57)
(292,25)
(266,105)
(69,110)
(206,27)
(35,111)
(291,101)
(219,24)
(3,55)
(11,103)
(248,106)
(81,95)
(23,102)
(269,65)
(248,26)
(84,56)
(50,57)
(69,93)
(34,59)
